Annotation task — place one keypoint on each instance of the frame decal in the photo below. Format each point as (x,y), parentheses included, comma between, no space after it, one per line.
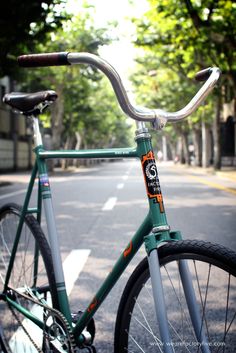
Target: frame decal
(151,179)
(44,180)
(45,186)
(128,249)
(92,305)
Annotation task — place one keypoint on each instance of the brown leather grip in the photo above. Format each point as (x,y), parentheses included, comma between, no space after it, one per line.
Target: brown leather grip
(203,75)
(47,59)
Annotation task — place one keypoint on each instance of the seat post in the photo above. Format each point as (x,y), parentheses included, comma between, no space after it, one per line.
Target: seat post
(37,133)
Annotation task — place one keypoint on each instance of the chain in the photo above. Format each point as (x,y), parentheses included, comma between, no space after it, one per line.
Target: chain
(24,329)
(66,337)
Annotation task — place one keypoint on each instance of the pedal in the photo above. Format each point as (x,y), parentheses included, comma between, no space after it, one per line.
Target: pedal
(88,333)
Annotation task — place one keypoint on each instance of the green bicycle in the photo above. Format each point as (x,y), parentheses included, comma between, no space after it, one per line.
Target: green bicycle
(180,298)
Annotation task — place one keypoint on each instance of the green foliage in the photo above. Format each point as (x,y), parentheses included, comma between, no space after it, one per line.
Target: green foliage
(104,124)
(88,102)
(23,24)
(180,37)
(191,34)
(161,87)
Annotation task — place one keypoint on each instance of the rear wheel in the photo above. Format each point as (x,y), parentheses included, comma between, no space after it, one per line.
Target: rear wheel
(32,275)
(213,270)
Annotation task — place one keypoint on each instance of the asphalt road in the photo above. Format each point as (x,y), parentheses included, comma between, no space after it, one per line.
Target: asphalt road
(100,208)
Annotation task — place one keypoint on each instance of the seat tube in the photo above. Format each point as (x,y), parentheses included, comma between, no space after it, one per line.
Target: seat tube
(52,235)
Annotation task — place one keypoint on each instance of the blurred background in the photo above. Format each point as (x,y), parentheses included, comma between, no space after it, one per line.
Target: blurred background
(157,46)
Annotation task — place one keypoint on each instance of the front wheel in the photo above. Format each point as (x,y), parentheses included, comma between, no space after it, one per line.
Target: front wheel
(213,270)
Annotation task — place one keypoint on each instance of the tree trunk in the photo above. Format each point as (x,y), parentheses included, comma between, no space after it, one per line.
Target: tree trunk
(57,120)
(180,151)
(197,147)
(164,148)
(68,145)
(77,147)
(206,146)
(173,149)
(185,148)
(217,136)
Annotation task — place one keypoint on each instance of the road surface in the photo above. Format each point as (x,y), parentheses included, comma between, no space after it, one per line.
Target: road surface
(98,209)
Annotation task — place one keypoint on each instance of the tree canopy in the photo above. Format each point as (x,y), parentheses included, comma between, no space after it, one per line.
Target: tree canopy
(24,24)
(189,35)
(183,37)
(86,104)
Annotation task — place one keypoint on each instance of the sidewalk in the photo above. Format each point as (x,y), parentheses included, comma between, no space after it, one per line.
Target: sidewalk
(14,178)
(23,177)
(225,172)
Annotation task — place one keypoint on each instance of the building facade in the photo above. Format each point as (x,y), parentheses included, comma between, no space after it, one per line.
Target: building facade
(15,136)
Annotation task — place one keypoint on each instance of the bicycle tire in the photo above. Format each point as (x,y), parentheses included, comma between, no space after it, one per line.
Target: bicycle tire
(213,269)
(18,332)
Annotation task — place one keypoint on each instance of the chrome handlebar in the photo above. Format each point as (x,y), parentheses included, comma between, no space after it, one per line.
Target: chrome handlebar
(157,116)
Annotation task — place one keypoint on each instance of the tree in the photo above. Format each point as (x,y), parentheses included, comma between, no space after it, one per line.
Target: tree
(23,24)
(86,106)
(163,88)
(188,35)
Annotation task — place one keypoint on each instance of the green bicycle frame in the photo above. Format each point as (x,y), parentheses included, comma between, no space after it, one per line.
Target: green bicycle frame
(153,230)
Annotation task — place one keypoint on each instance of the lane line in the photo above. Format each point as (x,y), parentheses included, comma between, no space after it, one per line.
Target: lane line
(125,177)
(120,186)
(10,194)
(109,205)
(214,185)
(72,266)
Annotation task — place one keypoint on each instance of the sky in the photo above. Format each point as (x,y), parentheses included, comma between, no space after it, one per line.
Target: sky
(121,53)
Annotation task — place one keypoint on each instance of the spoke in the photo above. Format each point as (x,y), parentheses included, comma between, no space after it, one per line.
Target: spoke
(133,339)
(148,291)
(226,312)
(234,316)
(149,329)
(5,250)
(2,279)
(184,343)
(5,266)
(179,300)
(203,303)
(4,242)
(158,342)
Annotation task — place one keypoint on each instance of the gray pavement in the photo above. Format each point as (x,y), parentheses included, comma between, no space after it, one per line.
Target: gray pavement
(199,203)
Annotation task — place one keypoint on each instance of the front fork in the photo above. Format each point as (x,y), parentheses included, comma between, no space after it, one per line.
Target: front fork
(159,298)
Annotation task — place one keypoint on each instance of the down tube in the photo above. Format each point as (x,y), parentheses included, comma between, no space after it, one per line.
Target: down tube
(123,261)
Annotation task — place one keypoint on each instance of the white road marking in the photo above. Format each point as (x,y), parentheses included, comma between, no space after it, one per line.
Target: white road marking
(125,177)
(10,194)
(109,205)
(120,186)
(72,267)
